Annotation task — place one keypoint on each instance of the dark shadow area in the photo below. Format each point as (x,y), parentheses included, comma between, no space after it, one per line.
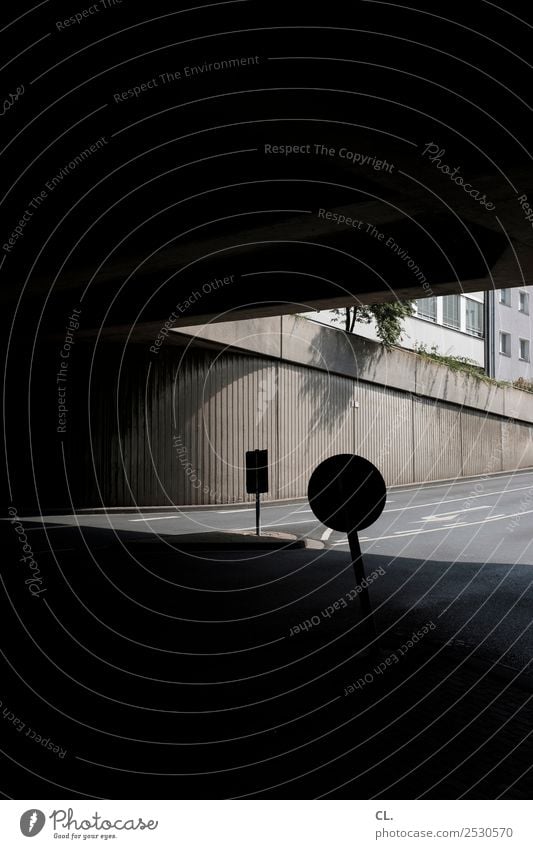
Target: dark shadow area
(166,674)
(329,397)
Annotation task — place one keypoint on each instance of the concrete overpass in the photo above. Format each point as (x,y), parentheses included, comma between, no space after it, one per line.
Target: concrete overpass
(356,160)
(362,236)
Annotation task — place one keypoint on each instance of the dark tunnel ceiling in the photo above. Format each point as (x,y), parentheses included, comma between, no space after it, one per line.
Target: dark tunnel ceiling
(186,189)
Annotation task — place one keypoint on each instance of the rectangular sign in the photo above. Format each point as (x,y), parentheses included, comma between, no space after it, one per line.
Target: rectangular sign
(256,471)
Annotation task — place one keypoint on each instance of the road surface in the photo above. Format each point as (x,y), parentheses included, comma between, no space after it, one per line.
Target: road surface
(209,641)
(481,519)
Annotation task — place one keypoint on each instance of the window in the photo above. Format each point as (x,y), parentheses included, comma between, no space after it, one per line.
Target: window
(427,308)
(524,350)
(451,311)
(505,297)
(523,302)
(474,317)
(505,344)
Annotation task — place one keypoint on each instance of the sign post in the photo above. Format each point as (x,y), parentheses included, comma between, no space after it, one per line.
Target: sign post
(257,514)
(347,493)
(257,480)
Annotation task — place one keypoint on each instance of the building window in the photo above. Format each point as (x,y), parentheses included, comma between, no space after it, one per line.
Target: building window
(524,350)
(523,302)
(474,317)
(505,297)
(451,311)
(505,344)
(427,308)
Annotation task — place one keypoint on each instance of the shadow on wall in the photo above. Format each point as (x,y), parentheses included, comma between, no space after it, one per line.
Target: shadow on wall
(345,361)
(175,431)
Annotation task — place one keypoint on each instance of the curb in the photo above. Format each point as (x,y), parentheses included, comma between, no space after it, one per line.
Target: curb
(234,541)
(247,505)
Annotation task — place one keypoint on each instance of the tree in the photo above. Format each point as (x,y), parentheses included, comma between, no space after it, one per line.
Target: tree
(389,319)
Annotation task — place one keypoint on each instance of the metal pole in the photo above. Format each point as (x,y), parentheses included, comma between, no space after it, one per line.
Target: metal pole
(362,590)
(257,516)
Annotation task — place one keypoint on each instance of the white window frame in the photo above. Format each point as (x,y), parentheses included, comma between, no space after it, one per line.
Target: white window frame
(433,300)
(479,334)
(520,357)
(505,335)
(523,297)
(457,301)
(505,297)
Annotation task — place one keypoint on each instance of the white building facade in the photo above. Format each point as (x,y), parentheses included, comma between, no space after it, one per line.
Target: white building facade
(510,324)
(492,330)
(453,325)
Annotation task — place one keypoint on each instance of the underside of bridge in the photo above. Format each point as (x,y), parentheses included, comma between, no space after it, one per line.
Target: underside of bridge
(250,233)
(274,161)
(300,164)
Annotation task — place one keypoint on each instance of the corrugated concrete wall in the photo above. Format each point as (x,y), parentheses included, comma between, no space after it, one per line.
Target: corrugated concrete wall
(177,430)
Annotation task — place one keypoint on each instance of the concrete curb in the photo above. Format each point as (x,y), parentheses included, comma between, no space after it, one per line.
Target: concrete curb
(247,505)
(234,540)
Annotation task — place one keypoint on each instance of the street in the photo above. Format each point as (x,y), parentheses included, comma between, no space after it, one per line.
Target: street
(229,671)
(473,519)
(459,553)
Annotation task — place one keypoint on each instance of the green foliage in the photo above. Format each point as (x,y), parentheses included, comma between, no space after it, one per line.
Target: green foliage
(389,324)
(454,363)
(389,319)
(470,367)
(463,364)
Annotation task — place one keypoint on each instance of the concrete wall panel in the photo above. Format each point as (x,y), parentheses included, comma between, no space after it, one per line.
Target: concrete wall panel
(384,431)
(517,444)
(437,440)
(481,443)
(176,432)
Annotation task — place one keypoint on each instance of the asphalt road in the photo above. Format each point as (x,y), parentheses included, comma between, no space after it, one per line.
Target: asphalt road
(457,553)
(211,641)
(482,520)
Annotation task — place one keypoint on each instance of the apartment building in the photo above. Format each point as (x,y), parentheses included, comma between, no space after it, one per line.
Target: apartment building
(509,333)
(492,329)
(453,324)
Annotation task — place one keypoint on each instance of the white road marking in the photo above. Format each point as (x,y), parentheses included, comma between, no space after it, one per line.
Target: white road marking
(465,510)
(444,517)
(274,525)
(411,506)
(327,533)
(445,527)
(76,521)
(517,473)
(264,507)
(463,498)
(156,518)
(447,517)
(238,510)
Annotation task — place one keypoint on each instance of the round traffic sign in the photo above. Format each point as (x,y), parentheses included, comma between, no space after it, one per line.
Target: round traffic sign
(347,492)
